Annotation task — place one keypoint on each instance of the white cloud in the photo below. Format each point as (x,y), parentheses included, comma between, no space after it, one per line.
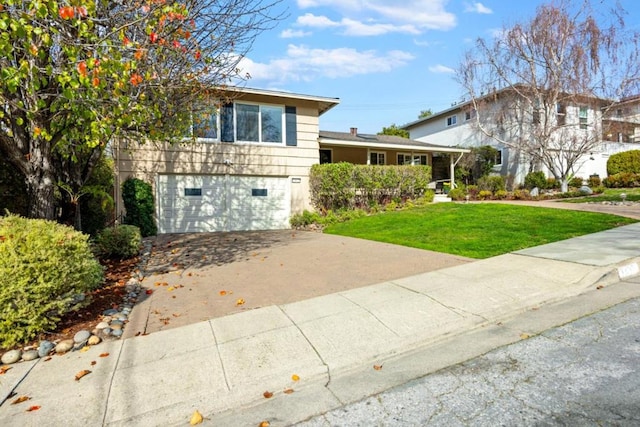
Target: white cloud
(290,34)
(441,69)
(311,20)
(477,7)
(410,16)
(352,27)
(302,63)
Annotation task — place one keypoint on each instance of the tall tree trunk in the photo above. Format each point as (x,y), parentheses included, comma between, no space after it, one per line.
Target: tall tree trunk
(41,196)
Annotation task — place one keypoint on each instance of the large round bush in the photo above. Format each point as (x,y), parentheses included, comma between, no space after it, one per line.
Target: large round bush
(45,269)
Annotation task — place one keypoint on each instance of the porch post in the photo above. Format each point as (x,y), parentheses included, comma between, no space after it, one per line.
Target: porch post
(452,170)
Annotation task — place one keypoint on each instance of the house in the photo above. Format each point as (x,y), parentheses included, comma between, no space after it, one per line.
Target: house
(247,170)
(358,148)
(517,119)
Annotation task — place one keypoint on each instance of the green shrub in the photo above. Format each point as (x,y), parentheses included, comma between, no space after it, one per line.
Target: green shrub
(121,241)
(97,207)
(338,186)
(501,194)
(622,180)
(625,162)
(45,269)
(485,195)
(552,184)
(457,194)
(491,183)
(576,182)
(521,194)
(304,219)
(138,202)
(594,181)
(535,179)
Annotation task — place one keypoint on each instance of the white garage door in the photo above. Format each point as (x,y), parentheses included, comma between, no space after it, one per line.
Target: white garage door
(203,203)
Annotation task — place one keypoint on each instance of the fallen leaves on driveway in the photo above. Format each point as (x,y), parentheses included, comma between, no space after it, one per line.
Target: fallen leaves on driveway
(20,400)
(82,373)
(33,408)
(240,301)
(196,418)
(4,369)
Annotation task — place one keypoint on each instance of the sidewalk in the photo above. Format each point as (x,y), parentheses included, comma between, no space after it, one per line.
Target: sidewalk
(406,328)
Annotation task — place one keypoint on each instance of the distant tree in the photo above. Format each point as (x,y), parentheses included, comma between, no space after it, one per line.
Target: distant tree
(523,84)
(425,113)
(394,130)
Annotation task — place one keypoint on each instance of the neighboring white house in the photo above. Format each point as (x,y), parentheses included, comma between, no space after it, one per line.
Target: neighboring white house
(582,117)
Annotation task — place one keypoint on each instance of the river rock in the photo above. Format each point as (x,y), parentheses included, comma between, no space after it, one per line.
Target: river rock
(110,312)
(29,355)
(11,356)
(45,348)
(64,346)
(93,340)
(116,326)
(102,325)
(586,190)
(116,332)
(81,336)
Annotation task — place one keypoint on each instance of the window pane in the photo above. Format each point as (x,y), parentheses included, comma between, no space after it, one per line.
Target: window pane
(247,119)
(271,124)
(205,125)
(373,158)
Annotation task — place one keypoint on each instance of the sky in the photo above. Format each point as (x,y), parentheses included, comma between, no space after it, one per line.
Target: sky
(386,60)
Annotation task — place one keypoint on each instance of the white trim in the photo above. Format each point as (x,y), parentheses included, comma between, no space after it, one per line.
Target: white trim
(394,147)
(283,133)
(370,152)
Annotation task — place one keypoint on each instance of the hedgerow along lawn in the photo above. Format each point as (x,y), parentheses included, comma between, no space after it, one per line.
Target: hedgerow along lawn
(476,230)
(610,195)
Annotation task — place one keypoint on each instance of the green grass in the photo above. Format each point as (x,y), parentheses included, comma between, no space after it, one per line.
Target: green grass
(476,230)
(610,195)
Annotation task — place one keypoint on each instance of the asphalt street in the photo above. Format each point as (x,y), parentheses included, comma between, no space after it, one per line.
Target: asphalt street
(584,373)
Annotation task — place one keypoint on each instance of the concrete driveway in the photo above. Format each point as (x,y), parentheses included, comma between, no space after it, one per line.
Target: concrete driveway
(194,277)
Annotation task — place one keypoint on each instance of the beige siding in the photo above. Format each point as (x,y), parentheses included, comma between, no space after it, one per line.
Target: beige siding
(146,161)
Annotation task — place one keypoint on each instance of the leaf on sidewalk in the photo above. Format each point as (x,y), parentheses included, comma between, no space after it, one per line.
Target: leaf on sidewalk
(4,369)
(267,394)
(288,391)
(524,336)
(196,418)
(33,408)
(264,424)
(295,377)
(377,367)
(240,301)
(104,354)
(20,400)
(82,374)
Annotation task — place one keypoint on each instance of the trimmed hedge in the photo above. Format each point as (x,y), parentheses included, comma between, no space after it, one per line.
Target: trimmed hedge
(622,180)
(45,270)
(625,162)
(121,241)
(336,186)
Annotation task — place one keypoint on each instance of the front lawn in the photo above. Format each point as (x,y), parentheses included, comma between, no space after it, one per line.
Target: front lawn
(476,230)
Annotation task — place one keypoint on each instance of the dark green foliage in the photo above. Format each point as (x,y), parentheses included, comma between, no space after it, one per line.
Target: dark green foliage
(13,191)
(121,241)
(337,186)
(138,202)
(457,194)
(394,130)
(622,180)
(45,270)
(627,161)
(491,183)
(535,179)
(98,205)
(576,182)
(594,181)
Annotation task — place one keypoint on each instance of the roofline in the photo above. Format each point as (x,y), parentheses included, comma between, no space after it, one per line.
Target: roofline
(396,147)
(326,103)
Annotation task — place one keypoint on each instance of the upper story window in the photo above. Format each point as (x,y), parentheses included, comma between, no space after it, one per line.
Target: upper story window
(259,123)
(246,122)
(452,120)
(470,114)
(583,115)
(561,113)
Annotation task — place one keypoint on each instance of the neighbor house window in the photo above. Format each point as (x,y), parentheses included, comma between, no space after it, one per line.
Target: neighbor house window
(582,117)
(498,157)
(452,120)
(326,156)
(376,158)
(259,123)
(409,159)
(561,112)
(470,114)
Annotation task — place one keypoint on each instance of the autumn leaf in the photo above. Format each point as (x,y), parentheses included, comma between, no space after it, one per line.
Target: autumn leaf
(103,354)
(136,79)
(240,301)
(524,336)
(295,377)
(20,400)
(377,367)
(66,12)
(85,349)
(267,394)
(170,288)
(82,68)
(33,49)
(82,374)
(196,418)
(93,363)
(149,291)
(264,424)
(33,408)
(4,369)
(223,293)
(288,391)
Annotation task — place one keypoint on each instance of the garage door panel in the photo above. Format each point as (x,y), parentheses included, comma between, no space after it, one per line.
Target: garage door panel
(204,203)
